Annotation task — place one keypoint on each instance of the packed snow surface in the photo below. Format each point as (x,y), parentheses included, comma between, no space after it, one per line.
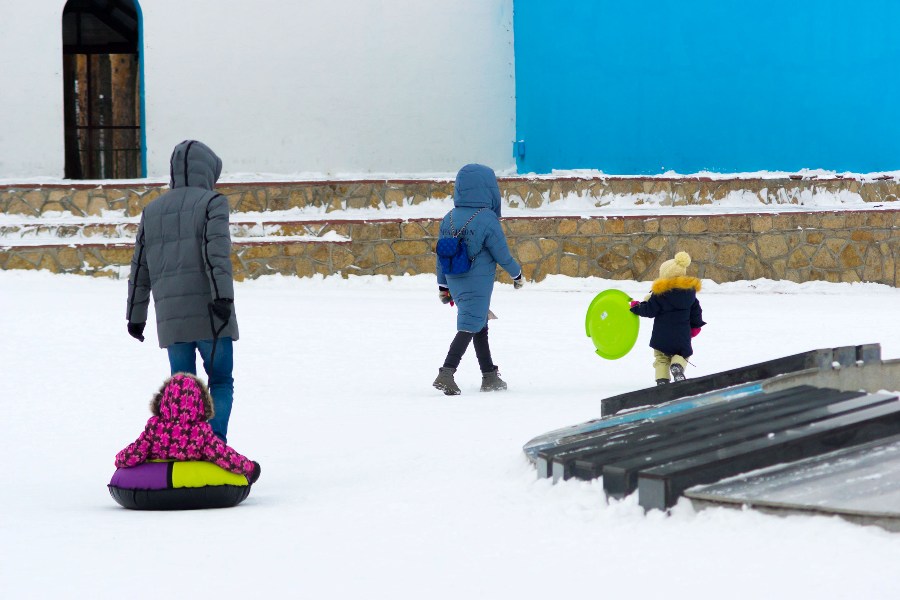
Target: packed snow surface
(374,484)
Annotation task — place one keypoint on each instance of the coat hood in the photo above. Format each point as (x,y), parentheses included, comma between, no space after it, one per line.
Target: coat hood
(194,164)
(476,187)
(183,398)
(679,291)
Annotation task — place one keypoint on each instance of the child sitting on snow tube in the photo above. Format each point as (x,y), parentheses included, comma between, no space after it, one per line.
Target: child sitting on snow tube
(178,430)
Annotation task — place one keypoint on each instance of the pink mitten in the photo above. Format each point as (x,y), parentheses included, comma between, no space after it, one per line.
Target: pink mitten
(634,303)
(694,331)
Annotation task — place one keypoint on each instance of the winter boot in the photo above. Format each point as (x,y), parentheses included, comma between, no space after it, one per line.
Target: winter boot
(445,382)
(662,381)
(677,372)
(491,382)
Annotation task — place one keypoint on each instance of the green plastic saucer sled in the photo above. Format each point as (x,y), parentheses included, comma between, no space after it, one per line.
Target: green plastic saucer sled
(611,325)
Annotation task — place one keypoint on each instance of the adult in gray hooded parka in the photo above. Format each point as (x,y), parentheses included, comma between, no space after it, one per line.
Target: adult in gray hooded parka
(182,255)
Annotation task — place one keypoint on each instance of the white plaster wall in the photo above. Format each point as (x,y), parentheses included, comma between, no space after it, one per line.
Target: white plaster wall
(32,140)
(287,87)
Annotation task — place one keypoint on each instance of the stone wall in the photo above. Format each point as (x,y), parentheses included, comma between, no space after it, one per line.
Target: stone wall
(87,200)
(836,246)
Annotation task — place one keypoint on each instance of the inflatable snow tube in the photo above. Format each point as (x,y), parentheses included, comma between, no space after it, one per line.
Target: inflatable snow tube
(177,485)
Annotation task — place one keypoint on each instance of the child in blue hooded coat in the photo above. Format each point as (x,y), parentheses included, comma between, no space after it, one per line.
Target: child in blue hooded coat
(476,201)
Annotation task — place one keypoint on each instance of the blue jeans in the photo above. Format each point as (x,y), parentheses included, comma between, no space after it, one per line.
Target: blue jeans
(183,359)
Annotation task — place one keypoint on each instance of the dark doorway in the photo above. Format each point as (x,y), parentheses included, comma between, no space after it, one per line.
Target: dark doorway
(102,89)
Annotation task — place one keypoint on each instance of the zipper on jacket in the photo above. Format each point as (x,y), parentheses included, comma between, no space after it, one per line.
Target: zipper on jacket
(136,273)
(206,246)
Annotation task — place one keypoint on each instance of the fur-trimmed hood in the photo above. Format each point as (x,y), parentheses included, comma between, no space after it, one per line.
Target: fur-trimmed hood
(183,398)
(675,310)
(178,430)
(661,286)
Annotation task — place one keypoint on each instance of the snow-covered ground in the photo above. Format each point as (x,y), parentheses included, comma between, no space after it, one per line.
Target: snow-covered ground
(374,484)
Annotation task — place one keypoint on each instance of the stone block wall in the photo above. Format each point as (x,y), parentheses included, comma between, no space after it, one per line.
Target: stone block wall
(836,246)
(845,245)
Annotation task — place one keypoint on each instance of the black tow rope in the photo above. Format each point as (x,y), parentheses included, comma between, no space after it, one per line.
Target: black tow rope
(215,332)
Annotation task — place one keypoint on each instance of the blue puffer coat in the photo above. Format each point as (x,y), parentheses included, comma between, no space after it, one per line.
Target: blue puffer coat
(476,188)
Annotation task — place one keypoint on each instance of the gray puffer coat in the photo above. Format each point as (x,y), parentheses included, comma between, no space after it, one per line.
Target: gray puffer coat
(182,253)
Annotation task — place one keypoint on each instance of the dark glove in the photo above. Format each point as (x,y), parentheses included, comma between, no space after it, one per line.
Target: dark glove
(519,281)
(634,307)
(222,308)
(444,295)
(136,330)
(255,474)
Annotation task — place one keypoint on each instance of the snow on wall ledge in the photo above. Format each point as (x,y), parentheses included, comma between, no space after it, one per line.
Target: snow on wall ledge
(840,230)
(528,196)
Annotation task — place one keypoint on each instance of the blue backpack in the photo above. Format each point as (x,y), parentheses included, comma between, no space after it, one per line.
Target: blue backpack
(453,255)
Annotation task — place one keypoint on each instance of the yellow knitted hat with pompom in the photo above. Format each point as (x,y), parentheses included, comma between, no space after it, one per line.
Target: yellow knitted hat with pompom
(675,267)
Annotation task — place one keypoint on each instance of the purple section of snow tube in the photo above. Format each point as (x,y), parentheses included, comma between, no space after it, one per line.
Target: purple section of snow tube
(148,476)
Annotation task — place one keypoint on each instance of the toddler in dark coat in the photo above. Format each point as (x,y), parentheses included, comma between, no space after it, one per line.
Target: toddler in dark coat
(677,317)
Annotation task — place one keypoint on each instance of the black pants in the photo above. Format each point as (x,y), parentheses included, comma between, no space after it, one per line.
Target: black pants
(461,343)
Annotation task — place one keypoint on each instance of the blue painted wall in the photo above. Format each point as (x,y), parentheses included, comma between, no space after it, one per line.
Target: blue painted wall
(644,87)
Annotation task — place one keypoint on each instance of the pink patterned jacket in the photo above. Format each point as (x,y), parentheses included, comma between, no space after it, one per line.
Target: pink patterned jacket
(178,429)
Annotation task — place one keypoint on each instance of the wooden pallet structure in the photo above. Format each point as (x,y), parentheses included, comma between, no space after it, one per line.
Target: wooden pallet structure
(667,442)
